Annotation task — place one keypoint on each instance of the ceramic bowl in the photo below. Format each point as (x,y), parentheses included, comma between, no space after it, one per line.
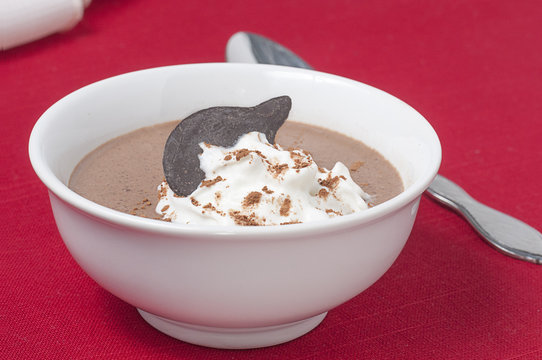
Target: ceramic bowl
(228,286)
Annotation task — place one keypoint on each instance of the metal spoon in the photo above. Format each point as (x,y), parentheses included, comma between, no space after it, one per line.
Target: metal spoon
(507,234)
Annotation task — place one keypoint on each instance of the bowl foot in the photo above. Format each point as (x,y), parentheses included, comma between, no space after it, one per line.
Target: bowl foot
(232,338)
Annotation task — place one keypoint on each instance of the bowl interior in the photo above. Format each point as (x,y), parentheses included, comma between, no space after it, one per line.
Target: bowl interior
(83,120)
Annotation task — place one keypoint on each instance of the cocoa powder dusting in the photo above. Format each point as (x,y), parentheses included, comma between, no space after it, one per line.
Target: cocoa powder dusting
(241,153)
(209,206)
(300,161)
(194,201)
(356,165)
(260,154)
(244,220)
(138,210)
(162,192)
(266,190)
(278,169)
(301,164)
(330,182)
(144,203)
(253,198)
(323,193)
(285,207)
(290,222)
(209,183)
(331,211)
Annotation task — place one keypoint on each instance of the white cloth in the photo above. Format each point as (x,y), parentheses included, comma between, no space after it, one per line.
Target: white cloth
(23,21)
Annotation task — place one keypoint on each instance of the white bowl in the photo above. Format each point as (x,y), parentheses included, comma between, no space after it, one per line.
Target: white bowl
(232,287)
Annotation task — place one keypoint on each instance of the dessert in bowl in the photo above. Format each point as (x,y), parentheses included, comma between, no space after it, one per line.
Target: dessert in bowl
(232,286)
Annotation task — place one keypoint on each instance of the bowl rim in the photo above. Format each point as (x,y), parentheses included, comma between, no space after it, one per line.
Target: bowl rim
(60,190)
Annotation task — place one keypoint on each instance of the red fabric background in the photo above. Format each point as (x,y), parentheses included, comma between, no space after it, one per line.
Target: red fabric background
(472,68)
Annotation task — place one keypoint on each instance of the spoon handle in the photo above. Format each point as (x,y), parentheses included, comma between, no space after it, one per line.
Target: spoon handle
(507,234)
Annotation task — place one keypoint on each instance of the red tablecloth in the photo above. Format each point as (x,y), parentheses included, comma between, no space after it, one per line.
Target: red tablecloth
(472,68)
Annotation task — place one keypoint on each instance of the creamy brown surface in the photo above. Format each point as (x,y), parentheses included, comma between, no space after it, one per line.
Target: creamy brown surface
(124,173)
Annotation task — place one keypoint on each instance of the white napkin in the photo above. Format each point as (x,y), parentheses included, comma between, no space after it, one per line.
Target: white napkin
(22,21)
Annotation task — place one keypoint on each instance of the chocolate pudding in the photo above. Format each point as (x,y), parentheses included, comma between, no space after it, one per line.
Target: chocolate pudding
(124,173)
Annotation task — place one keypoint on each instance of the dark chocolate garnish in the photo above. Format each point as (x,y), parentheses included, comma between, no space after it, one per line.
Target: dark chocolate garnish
(220,126)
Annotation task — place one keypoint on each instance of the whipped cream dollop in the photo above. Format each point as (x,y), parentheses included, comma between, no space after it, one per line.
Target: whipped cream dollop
(257,183)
